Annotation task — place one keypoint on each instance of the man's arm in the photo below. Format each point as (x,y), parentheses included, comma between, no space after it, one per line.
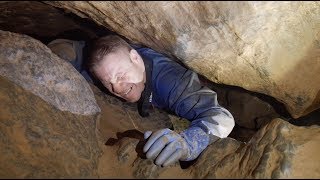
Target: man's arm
(179,90)
(199,104)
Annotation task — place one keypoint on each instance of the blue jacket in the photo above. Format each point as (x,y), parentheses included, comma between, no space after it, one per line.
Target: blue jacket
(178,90)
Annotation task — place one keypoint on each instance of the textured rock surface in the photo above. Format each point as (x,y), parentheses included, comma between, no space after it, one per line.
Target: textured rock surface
(32,65)
(267,47)
(279,150)
(39,141)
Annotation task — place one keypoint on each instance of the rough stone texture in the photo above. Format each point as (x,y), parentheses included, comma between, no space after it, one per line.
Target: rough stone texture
(32,65)
(267,47)
(37,19)
(39,141)
(309,120)
(279,150)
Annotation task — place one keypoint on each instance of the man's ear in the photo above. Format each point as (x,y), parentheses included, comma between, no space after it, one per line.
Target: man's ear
(135,57)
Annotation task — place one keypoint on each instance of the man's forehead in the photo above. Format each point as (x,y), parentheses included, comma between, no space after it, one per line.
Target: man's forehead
(112,63)
(115,58)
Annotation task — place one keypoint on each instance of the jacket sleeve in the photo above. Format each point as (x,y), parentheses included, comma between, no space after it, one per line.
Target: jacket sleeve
(183,94)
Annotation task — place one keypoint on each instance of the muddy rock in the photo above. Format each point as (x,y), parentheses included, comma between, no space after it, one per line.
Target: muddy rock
(32,65)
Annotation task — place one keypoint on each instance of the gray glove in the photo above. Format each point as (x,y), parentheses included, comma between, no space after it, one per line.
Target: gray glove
(167,146)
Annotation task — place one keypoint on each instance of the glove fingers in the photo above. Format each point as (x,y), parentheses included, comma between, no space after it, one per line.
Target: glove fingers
(147,134)
(154,137)
(157,147)
(166,153)
(173,158)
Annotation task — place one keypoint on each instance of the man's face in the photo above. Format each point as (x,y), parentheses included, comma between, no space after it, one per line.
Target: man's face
(123,74)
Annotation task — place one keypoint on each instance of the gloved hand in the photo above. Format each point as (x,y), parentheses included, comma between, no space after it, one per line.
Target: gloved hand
(167,146)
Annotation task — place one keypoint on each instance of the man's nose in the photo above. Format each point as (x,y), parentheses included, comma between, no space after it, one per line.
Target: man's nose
(117,87)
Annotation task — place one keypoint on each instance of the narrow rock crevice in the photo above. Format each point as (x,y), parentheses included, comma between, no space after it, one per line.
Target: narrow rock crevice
(264,133)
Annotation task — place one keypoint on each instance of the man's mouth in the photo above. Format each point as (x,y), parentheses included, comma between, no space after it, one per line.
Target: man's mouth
(127,92)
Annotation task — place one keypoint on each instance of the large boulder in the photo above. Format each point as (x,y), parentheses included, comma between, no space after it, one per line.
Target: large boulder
(32,65)
(39,141)
(267,47)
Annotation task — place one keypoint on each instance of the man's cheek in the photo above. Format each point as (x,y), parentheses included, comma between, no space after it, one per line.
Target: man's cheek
(136,77)
(135,97)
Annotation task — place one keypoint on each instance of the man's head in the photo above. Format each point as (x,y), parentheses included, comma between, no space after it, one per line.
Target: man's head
(119,67)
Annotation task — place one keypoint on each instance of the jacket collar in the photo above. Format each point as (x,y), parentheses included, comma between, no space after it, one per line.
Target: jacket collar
(145,100)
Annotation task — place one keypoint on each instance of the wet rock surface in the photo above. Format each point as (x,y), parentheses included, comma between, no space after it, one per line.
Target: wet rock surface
(40,141)
(266,47)
(32,65)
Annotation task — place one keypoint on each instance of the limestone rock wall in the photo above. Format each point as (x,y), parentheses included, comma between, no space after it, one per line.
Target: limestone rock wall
(32,65)
(266,47)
